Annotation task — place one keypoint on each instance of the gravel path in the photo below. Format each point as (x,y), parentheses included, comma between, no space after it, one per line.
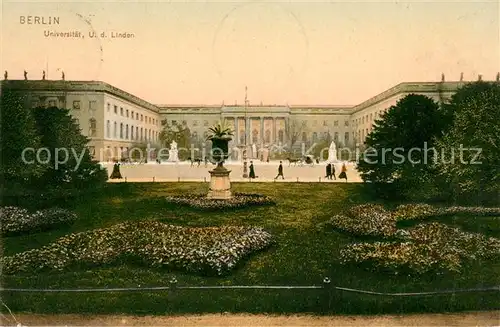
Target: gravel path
(486,318)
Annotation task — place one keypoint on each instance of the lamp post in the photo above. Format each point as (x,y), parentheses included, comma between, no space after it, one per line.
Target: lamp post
(245,167)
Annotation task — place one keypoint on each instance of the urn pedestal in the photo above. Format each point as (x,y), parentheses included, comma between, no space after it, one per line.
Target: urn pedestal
(220,185)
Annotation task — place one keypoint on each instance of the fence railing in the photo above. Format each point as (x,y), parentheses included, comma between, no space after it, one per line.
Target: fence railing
(326,286)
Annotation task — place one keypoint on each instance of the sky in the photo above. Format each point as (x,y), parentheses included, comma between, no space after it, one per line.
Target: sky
(285,52)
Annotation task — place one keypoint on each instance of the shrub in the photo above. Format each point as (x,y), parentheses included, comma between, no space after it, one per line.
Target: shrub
(239,200)
(16,220)
(213,250)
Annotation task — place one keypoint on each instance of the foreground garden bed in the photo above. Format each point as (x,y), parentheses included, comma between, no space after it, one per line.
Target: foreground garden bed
(207,251)
(239,200)
(16,220)
(302,256)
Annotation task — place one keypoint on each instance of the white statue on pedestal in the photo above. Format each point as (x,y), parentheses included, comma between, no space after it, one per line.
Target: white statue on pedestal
(173,153)
(332,152)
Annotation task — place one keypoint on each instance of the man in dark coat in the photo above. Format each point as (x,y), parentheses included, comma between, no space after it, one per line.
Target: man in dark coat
(280,171)
(332,171)
(328,171)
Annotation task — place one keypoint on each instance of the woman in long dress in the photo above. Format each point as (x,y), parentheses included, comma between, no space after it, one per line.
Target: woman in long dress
(343,172)
(116,171)
(252,170)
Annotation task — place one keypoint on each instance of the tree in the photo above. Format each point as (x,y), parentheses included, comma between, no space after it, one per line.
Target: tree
(294,131)
(178,133)
(396,147)
(18,132)
(475,109)
(68,161)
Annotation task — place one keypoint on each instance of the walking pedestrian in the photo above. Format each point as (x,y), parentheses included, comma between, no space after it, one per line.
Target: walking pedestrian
(328,171)
(343,173)
(280,171)
(252,170)
(332,172)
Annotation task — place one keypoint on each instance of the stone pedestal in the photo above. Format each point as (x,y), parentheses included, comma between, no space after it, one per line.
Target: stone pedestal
(220,185)
(245,169)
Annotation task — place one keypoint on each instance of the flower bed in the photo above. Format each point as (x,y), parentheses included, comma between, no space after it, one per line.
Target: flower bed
(414,211)
(239,200)
(427,247)
(365,220)
(213,250)
(18,220)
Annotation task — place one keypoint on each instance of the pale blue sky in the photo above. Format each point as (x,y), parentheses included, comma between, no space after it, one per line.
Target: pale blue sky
(297,53)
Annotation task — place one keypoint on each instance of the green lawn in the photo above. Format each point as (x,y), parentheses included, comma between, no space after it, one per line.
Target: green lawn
(302,255)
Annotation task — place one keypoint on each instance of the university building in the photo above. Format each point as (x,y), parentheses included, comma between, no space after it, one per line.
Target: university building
(115,120)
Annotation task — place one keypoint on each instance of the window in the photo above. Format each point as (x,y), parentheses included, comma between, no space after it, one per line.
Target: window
(121,111)
(304,137)
(92,127)
(346,138)
(315,137)
(126,132)
(142,118)
(195,123)
(142,134)
(109,107)
(121,130)
(114,130)
(76,104)
(325,123)
(346,123)
(336,123)
(205,123)
(137,133)
(116,109)
(371,117)
(137,116)
(127,113)
(92,105)
(132,114)
(108,127)
(52,103)
(174,122)
(131,132)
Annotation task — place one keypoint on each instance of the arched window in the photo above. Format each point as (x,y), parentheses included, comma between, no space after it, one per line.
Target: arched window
(126,131)
(92,127)
(268,136)
(315,137)
(114,130)
(137,133)
(121,130)
(255,134)
(131,132)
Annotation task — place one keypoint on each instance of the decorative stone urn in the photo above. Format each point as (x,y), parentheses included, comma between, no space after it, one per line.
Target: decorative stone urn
(220,185)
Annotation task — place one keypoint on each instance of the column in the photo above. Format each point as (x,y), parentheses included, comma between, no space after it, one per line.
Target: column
(261,130)
(237,129)
(285,134)
(275,137)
